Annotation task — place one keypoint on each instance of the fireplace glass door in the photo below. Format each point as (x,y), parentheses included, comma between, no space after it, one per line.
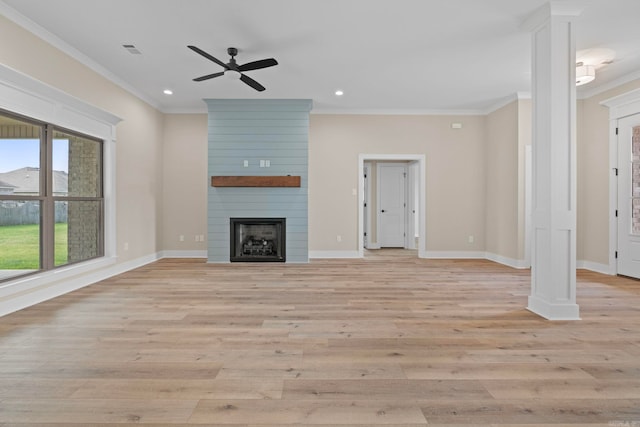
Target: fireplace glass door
(257,239)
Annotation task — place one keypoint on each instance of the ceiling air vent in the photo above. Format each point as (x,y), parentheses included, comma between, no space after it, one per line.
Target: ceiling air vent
(132,49)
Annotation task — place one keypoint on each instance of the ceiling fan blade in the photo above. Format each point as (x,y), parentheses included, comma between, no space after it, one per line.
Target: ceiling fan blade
(208,76)
(254,84)
(209,57)
(256,65)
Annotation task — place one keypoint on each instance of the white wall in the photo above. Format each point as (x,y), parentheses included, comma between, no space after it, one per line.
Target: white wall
(138,157)
(455,171)
(185,184)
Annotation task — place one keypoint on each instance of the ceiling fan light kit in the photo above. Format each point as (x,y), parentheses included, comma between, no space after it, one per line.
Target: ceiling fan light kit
(232,70)
(585,74)
(232,75)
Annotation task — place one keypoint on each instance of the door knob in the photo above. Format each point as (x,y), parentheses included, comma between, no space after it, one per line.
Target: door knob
(382,210)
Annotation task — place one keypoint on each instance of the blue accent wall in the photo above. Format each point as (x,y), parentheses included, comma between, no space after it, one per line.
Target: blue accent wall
(255,130)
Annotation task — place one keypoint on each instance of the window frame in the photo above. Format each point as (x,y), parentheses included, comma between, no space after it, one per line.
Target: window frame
(47,198)
(23,95)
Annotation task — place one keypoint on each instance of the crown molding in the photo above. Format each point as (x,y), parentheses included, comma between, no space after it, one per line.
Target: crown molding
(506,101)
(398,112)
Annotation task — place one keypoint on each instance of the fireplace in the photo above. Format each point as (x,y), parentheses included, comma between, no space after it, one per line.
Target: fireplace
(257,239)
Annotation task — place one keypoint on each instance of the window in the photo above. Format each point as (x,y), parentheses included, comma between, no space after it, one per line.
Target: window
(51,196)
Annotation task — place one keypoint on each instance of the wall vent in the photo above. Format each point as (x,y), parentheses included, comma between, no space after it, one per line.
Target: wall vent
(132,49)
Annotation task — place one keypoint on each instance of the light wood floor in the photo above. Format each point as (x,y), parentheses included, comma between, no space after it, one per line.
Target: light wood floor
(387,340)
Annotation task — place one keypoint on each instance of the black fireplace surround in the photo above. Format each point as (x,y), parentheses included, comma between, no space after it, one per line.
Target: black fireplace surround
(257,239)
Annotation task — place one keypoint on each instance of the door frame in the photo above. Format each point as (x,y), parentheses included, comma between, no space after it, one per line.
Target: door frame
(621,106)
(412,196)
(421,182)
(366,204)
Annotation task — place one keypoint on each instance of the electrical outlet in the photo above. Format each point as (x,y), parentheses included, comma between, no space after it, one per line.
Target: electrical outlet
(126,246)
(181,238)
(471,239)
(339,238)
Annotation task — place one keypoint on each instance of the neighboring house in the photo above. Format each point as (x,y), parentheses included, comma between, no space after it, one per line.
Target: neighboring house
(26,181)
(6,188)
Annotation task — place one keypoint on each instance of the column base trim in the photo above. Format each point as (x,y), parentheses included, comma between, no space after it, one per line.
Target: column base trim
(552,311)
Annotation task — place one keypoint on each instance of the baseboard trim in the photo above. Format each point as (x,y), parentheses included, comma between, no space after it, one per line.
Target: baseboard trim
(455,255)
(596,267)
(36,289)
(184,254)
(334,254)
(553,311)
(510,262)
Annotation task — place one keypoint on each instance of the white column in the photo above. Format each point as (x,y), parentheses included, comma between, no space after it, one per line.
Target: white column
(553,257)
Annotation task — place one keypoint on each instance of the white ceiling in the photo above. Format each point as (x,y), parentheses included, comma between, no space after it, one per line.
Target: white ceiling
(386,55)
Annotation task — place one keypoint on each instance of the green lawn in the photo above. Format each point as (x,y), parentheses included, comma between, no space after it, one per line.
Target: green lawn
(20,246)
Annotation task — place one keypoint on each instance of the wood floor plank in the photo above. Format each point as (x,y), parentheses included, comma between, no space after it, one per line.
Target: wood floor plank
(21,387)
(493,371)
(386,340)
(282,412)
(580,412)
(180,389)
(563,389)
(110,370)
(387,389)
(86,411)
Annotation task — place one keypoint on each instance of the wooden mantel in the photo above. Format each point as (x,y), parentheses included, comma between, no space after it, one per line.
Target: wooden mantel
(255,181)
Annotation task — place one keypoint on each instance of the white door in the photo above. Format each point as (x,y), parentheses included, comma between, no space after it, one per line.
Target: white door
(392,205)
(629,196)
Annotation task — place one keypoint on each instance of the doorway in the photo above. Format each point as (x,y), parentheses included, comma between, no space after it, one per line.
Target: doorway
(399,228)
(628,205)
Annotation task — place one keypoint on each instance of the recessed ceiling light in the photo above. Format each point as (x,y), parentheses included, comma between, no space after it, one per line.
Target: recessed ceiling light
(339,92)
(167,92)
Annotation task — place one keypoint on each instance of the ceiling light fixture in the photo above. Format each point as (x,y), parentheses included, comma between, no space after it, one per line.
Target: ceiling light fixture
(167,92)
(339,92)
(232,74)
(585,74)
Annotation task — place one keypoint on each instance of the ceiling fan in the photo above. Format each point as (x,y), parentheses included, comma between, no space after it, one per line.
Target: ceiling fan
(233,70)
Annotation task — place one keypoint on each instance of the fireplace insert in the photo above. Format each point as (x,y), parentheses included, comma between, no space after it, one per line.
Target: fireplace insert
(257,239)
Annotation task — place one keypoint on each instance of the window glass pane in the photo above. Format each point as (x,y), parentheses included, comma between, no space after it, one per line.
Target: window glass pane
(19,157)
(635,181)
(635,216)
(76,166)
(635,144)
(19,237)
(78,226)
